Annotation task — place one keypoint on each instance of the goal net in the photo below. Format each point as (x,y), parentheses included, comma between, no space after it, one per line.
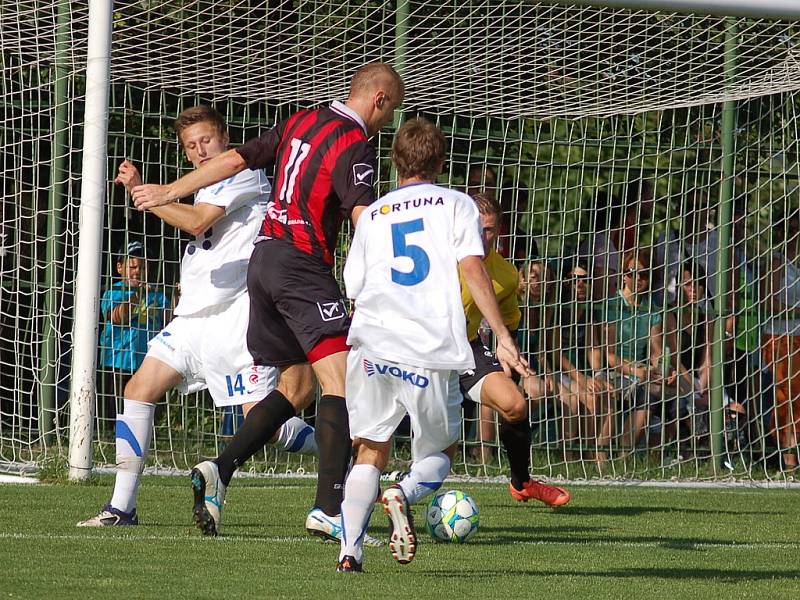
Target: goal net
(600,131)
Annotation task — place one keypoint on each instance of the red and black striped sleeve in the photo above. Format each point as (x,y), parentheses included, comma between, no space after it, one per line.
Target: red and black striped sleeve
(354,174)
(260,152)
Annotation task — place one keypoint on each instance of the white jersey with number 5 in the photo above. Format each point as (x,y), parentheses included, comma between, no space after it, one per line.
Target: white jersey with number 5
(402,272)
(214,266)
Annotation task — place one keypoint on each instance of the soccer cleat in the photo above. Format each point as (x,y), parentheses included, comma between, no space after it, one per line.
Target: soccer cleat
(536,490)
(110,517)
(403,539)
(209,497)
(330,528)
(349,564)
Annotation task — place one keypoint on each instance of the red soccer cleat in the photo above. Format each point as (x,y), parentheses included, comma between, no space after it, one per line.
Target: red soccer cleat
(549,494)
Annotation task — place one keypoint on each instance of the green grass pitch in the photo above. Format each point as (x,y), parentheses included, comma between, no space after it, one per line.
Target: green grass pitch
(610,542)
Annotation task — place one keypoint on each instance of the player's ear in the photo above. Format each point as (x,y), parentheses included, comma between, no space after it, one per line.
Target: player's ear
(226,139)
(380,99)
(121,266)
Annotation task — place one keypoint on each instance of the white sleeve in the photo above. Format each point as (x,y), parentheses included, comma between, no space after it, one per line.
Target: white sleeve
(467,228)
(355,267)
(235,191)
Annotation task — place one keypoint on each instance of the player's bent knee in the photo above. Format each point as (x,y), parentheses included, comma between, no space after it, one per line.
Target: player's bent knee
(151,382)
(516,412)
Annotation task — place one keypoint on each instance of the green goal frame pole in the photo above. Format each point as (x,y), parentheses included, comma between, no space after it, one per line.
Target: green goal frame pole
(723,255)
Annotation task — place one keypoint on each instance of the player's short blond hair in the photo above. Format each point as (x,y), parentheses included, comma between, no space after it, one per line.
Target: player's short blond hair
(374,76)
(418,150)
(487,205)
(200,114)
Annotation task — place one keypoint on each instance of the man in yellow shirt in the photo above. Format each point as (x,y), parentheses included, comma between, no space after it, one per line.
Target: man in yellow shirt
(488,385)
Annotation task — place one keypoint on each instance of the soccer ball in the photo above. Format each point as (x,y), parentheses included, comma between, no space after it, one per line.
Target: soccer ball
(452,516)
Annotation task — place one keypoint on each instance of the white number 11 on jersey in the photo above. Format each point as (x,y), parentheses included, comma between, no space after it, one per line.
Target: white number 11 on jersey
(299,153)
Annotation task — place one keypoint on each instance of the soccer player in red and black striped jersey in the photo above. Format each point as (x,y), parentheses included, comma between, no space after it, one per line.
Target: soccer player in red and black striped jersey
(323,173)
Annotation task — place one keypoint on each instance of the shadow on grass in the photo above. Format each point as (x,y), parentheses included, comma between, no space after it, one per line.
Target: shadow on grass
(633,511)
(490,536)
(719,575)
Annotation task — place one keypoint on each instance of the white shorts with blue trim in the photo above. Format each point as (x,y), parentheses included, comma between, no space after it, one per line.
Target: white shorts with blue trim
(209,350)
(380,393)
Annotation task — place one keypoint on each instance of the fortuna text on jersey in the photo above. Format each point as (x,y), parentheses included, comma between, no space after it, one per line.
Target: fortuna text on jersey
(405,205)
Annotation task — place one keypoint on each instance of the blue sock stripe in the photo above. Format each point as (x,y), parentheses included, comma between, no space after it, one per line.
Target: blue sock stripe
(360,538)
(123,431)
(431,485)
(300,439)
(344,531)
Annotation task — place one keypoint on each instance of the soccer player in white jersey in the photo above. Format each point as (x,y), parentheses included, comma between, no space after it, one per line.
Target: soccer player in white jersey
(408,336)
(205,344)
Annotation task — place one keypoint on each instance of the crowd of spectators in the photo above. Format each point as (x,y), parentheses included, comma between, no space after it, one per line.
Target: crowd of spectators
(620,329)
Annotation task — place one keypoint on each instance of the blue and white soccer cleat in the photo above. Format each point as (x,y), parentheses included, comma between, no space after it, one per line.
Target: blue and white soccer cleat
(330,528)
(110,517)
(209,497)
(321,525)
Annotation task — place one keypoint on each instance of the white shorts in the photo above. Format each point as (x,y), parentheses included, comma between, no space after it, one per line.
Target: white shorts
(380,393)
(209,350)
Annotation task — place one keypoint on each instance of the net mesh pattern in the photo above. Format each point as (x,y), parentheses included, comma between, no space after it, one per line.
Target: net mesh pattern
(578,119)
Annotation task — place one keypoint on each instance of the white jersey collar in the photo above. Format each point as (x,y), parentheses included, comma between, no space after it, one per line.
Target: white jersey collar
(346,111)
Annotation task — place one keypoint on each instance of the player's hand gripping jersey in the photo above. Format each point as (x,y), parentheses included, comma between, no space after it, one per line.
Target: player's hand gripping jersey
(214,266)
(402,272)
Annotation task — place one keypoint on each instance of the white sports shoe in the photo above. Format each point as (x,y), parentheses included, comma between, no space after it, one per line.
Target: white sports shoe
(209,497)
(109,517)
(330,528)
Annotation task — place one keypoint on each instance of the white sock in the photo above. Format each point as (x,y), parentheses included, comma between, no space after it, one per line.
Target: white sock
(295,435)
(360,491)
(425,477)
(134,432)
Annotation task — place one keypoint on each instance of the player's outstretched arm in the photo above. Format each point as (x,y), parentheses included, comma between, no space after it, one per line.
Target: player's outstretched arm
(479,284)
(217,169)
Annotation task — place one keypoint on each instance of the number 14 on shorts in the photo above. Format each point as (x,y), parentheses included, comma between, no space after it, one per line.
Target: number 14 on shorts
(235,385)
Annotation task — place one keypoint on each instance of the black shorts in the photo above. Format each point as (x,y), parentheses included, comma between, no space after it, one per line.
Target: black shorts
(485,363)
(295,303)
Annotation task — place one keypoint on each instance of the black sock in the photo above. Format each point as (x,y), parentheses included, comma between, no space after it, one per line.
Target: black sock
(335,448)
(516,439)
(262,422)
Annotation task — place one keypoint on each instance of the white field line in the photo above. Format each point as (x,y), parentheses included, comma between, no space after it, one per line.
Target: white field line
(226,539)
(17,479)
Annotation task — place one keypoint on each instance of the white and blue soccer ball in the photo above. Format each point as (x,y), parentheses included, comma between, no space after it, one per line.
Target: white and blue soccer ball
(452,516)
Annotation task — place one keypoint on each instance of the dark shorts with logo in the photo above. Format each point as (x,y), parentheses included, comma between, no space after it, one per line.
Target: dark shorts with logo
(485,363)
(295,302)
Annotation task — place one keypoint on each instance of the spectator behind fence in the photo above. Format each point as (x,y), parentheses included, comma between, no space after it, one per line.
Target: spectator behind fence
(675,246)
(750,381)
(578,354)
(689,328)
(482,179)
(781,342)
(132,314)
(632,338)
(536,330)
(132,311)
(537,337)
(617,226)
(514,239)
